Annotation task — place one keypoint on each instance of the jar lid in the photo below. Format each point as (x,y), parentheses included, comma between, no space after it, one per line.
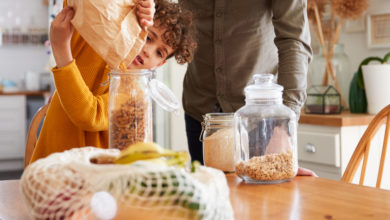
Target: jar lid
(219,117)
(164,97)
(261,86)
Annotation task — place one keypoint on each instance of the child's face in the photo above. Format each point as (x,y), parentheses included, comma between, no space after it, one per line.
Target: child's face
(154,53)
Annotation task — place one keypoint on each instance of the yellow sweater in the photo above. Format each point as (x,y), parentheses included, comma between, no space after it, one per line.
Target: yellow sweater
(77,115)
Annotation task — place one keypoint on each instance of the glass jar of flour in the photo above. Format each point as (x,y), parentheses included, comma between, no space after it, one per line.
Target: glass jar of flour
(218,141)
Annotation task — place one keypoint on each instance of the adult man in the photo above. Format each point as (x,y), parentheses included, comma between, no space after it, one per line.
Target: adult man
(235,40)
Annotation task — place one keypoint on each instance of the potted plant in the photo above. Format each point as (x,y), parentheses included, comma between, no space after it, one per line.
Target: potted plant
(370,90)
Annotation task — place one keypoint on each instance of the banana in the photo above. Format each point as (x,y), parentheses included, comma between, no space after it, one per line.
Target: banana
(152,152)
(143,147)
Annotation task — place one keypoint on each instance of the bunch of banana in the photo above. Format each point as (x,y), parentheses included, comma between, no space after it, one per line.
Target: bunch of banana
(152,152)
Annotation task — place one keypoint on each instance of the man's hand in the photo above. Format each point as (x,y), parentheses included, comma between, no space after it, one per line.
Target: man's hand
(61,31)
(145,12)
(305,172)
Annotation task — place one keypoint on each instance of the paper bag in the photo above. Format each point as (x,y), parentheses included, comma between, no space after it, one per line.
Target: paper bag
(111,28)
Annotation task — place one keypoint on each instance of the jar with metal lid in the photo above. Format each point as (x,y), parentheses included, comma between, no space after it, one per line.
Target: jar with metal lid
(130,106)
(218,141)
(265,134)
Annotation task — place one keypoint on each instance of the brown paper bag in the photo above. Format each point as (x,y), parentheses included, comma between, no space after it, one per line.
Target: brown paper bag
(111,28)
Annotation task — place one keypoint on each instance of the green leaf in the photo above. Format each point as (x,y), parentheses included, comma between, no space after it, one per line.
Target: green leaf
(194,165)
(386,58)
(357,97)
(360,72)
(194,206)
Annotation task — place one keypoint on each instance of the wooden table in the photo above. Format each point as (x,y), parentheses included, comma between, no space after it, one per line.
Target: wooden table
(302,198)
(308,198)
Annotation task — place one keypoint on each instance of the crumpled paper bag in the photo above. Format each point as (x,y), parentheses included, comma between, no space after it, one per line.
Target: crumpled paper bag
(111,28)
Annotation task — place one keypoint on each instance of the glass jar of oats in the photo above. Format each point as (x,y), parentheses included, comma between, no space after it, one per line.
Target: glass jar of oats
(218,141)
(130,106)
(265,134)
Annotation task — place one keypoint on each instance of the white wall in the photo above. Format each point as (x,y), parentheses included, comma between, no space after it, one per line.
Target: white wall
(178,136)
(17,59)
(170,127)
(355,44)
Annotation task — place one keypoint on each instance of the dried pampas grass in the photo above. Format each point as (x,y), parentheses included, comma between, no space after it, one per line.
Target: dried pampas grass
(327,28)
(349,9)
(311,4)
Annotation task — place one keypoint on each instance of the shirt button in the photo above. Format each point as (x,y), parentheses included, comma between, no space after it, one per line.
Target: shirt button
(219,69)
(219,13)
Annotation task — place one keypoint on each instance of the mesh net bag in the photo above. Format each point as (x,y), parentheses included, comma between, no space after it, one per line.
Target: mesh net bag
(63,185)
(111,28)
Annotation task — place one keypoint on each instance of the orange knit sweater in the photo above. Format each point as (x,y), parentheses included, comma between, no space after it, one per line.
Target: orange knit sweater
(77,115)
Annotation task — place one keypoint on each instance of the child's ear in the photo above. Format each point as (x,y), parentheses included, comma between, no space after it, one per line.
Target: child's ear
(160,64)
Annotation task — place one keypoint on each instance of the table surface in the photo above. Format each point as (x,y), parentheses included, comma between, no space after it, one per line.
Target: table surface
(301,198)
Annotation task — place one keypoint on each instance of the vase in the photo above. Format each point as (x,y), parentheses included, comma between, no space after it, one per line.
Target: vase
(341,66)
(376,82)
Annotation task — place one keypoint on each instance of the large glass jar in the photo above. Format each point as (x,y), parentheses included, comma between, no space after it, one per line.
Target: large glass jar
(130,106)
(265,134)
(341,64)
(218,141)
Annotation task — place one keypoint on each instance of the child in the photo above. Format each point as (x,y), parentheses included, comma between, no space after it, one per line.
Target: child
(78,115)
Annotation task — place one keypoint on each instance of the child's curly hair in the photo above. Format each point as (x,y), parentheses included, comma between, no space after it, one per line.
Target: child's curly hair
(179,29)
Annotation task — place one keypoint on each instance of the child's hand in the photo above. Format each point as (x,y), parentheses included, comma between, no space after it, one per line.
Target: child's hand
(145,12)
(61,31)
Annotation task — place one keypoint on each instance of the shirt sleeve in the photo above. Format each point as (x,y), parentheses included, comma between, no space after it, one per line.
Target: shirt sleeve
(294,51)
(86,110)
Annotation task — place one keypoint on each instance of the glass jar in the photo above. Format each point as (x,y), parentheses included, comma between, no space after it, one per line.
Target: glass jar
(130,106)
(218,141)
(341,65)
(265,134)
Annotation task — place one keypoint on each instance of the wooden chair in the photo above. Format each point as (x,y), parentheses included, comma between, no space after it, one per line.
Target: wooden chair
(363,149)
(32,133)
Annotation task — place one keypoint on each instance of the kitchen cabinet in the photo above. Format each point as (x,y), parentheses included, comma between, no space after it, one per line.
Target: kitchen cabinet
(12,131)
(16,110)
(326,142)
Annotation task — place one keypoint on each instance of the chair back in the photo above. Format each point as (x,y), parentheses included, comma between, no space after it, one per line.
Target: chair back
(362,150)
(32,133)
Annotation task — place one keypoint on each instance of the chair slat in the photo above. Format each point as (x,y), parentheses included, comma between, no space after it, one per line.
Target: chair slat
(365,159)
(362,149)
(32,133)
(384,150)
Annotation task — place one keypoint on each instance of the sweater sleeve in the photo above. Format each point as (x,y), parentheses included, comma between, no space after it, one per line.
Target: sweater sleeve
(293,43)
(86,110)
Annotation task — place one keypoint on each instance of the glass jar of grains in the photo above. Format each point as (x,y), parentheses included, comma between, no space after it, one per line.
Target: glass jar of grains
(130,106)
(265,133)
(218,141)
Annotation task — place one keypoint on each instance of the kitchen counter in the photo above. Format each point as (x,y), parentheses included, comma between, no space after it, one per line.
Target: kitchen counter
(27,93)
(346,118)
(326,142)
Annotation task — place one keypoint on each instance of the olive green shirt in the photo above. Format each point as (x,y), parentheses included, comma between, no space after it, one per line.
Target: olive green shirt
(237,39)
